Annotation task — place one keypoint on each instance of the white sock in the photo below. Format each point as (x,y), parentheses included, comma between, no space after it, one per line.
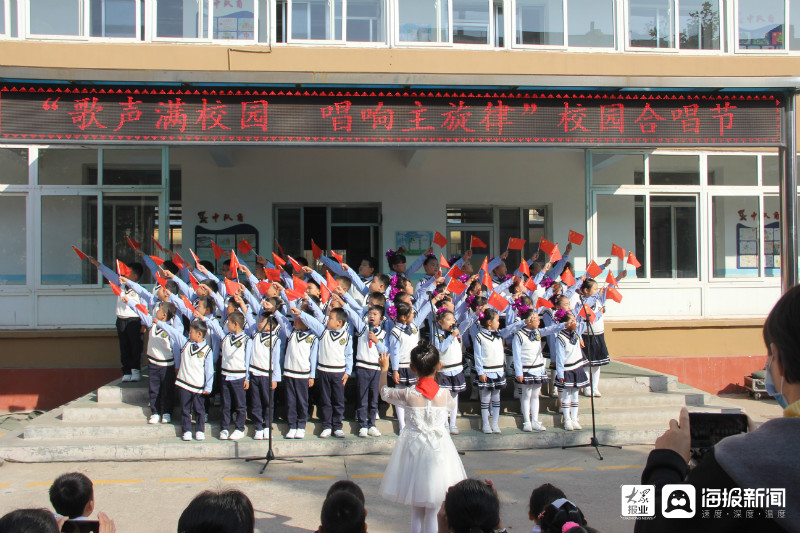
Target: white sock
(431,522)
(454,412)
(400,411)
(595,378)
(573,411)
(564,396)
(486,400)
(525,403)
(534,402)
(495,407)
(417,519)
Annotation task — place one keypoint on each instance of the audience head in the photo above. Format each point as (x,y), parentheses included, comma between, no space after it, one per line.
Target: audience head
(29,521)
(559,513)
(472,506)
(425,359)
(343,512)
(72,495)
(347,486)
(228,511)
(541,497)
(782,337)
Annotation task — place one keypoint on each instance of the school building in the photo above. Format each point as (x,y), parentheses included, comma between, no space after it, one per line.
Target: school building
(666,127)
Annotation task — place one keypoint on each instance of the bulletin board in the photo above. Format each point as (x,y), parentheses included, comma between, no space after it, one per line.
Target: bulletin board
(227,239)
(747,246)
(772,245)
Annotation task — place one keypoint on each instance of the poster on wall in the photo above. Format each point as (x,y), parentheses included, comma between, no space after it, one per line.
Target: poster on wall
(415,242)
(227,239)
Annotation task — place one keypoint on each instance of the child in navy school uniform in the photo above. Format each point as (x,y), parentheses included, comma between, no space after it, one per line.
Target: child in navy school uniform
(268,341)
(447,339)
(195,375)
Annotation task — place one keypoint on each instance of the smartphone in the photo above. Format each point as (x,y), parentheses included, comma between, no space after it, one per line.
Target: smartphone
(707,429)
(81,526)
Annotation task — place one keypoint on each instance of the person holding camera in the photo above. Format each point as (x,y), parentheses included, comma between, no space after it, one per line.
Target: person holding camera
(766,458)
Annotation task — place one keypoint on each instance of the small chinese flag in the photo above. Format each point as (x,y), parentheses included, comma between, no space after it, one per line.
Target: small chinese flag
(439,240)
(337,256)
(194,256)
(193,281)
(158,244)
(80,254)
(133,244)
(610,279)
(523,268)
(231,287)
(618,251)
(588,314)
(263,287)
(178,260)
(277,260)
(633,261)
(575,237)
(142,308)
(555,255)
(244,247)
(280,248)
(530,285)
(614,294)
(188,304)
(123,269)
(218,252)
(293,294)
(324,294)
(115,288)
(567,277)
(443,262)
(456,286)
(498,302)
(316,250)
(331,282)
(515,243)
(299,285)
(161,281)
(234,268)
(157,260)
(475,242)
(541,302)
(546,246)
(487,280)
(455,272)
(295,265)
(485,265)
(273,274)
(593,270)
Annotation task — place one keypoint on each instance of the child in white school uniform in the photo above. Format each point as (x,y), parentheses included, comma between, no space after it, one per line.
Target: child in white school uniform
(570,372)
(268,340)
(447,339)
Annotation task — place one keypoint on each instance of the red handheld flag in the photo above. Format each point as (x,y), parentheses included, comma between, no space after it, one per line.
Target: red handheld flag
(546,246)
(293,294)
(567,277)
(487,281)
(575,237)
(485,265)
(280,248)
(455,272)
(80,254)
(133,244)
(231,287)
(555,255)
(193,281)
(295,265)
(615,295)
(443,262)
(338,257)
(235,264)
(515,243)
(587,313)
(331,282)
(439,240)
(218,252)
(123,269)
(633,261)
(115,288)
(157,260)
(530,285)
(475,242)
(178,260)
(194,256)
(593,270)
(244,247)
(541,302)
(263,287)
(188,304)
(324,294)
(610,279)
(142,308)
(273,274)
(455,286)
(161,281)
(277,260)
(523,268)
(299,285)
(618,251)
(158,244)
(316,250)
(498,302)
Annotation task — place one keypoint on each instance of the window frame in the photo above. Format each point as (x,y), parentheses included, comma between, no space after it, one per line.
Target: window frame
(437,44)
(676,29)
(206,21)
(24,22)
(735,33)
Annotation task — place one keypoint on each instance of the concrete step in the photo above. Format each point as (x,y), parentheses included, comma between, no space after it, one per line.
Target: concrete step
(89,411)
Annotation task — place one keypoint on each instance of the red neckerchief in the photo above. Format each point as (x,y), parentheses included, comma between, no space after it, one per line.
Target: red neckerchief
(428,387)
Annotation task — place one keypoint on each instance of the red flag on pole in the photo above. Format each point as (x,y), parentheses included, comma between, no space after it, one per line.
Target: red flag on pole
(218,252)
(331,282)
(280,248)
(546,246)
(338,257)
(487,281)
(293,294)
(530,285)
(244,247)
(556,254)
(587,313)
(277,260)
(234,268)
(161,281)
(80,254)
(567,277)
(618,251)
(614,294)
(142,308)
(231,287)
(178,260)
(158,244)
(541,302)
(515,243)
(485,265)
(193,281)
(593,270)
(115,288)
(633,261)
(475,242)
(324,294)
(295,265)
(523,268)
(273,274)
(157,260)
(123,269)
(263,287)
(188,304)
(299,285)
(133,244)
(439,240)
(194,256)
(498,302)
(316,250)
(443,262)
(575,237)
(610,279)
(455,272)
(455,286)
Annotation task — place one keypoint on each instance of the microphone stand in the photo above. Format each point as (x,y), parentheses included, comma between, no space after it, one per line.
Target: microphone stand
(593,440)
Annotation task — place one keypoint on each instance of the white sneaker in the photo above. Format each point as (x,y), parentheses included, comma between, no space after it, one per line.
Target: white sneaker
(487,429)
(597,394)
(166,418)
(568,424)
(292,434)
(259,435)
(363,432)
(136,375)
(454,430)
(377,416)
(237,434)
(223,435)
(495,428)
(586,391)
(199,435)
(187,436)
(339,434)
(538,426)
(126,377)
(301,434)
(154,419)
(526,427)
(575,424)
(325,433)
(374,432)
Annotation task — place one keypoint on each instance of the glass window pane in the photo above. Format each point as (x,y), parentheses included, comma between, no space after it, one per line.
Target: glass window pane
(674,170)
(471,19)
(2,20)
(734,223)
(761,24)
(179,18)
(311,19)
(699,24)
(620,221)
(469,215)
(499,26)
(367,215)
(540,22)
(68,221)
(366,21)
(535,223)
(13,248)
(423,21)
(772,236)
(234,20)
(510,228)
(770,170)
(651,23)
(591,23)
(794,22)
(128,216)
(61,166)
(617,169)
(14,166)
(12,20)
(673,237)
(56,17)
(263,22)
(288,228)
(113,18)
(458,243)
(732,170)
(132,167)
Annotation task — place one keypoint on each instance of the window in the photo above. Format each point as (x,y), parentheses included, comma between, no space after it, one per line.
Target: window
(319,20)
(472,21)
(3,30)
(127,216)
(732,170)
(591,23)
(540,22)
(772,237)
(13,245)
(423,21)
(56,17)
(770,170)
(132,167)
(331,20)
(651,23)
(234,21)
(366,21)
(68,220)
(735,222)
(67,166)
(621,221)
(617,169)
(115,18)
(699,24)
(14,166)
(674,170)
(673,237)
(85,18)
(761,24)
(182,19)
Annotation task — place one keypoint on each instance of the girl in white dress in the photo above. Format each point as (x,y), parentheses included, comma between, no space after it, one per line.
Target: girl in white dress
(424,463)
